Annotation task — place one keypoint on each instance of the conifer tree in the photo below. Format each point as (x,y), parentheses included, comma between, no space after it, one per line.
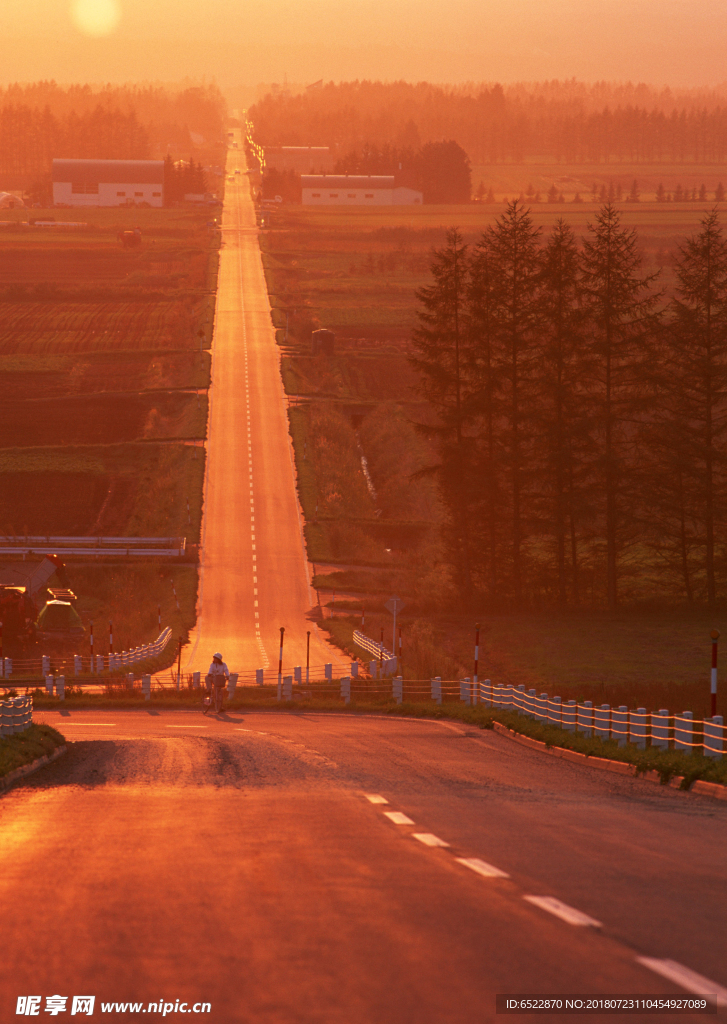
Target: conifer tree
(620,306)
(440,342)
(513,245)
(562,434)
(698,377)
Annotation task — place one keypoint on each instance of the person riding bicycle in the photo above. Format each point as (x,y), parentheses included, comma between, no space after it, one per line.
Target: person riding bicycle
(217,677)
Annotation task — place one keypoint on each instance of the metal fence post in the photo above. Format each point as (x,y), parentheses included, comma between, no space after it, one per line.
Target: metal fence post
(232,685)
(637,727)
(660,729)
(486,687)
(354,669)
(602,721)
(195,680)
(714,736)
(683,732)
(259,677)
(569,716)
(437,689)
(61,687)
(328,669)
(398,688)
(346,688)
(464,690)
(146,686)
(584,718)
(620,725)
(373,669)
(49,683)
(288,688)
(298,674)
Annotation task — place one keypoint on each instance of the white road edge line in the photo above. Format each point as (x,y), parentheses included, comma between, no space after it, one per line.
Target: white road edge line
(375,799)
(689,980)
(481,867)
(429,839)
(563,911)
(398,818)
(200,726)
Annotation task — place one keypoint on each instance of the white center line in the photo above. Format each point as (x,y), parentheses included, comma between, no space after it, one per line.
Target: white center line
(563,911)
(428,839)
(398,818)
(187,727)
(89,724)
(482,867)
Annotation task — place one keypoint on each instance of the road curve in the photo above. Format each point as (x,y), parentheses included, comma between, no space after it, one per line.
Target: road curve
(254,575)
(239,860)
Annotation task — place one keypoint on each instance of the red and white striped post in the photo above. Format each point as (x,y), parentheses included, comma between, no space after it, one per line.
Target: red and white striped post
(280,659)
(713,682)
(477,659)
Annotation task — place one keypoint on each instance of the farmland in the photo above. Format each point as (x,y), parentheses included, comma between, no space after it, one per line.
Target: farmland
(104,372)
(356,272)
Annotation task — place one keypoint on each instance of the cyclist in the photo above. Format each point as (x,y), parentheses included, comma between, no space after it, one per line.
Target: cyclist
(217,677)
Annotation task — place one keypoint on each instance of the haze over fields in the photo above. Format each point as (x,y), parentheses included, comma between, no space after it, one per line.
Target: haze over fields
(676,41)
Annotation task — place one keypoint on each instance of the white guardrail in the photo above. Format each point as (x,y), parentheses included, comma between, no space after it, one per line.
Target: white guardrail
(16,715)
(125,547)
(87,665)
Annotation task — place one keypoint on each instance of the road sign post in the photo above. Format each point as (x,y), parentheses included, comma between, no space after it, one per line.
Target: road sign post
(393,605)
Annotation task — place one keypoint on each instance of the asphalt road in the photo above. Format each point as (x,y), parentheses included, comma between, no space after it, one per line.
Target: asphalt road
(255,576)
(239,861)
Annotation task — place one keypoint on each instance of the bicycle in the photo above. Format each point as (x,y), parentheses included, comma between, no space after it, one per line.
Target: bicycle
(215,696)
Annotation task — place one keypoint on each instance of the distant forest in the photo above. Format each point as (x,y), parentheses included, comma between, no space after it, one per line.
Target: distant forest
(43,120)
(564,121)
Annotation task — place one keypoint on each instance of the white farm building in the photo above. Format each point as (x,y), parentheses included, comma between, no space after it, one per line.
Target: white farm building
(356,190)
(108,182)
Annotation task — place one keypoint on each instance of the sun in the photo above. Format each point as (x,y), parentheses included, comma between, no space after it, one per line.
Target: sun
(96,17)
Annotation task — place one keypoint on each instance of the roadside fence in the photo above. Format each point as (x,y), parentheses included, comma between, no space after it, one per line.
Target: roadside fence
(85,665)
(16,715)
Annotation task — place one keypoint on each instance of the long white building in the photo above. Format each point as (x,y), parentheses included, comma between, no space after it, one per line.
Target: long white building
(108,182)
(356,190)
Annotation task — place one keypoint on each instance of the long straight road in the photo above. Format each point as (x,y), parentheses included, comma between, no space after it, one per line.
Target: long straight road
(240,861)
(255,575)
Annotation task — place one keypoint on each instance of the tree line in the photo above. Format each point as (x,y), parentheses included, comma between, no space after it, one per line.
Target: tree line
(441,171)
(42,120)
(495,124)
(579,417)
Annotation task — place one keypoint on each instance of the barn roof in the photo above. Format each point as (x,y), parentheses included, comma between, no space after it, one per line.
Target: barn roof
(121,172)
(347,180)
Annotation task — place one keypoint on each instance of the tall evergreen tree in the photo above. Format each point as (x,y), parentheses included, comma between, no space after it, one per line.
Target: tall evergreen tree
(698,379)
(563,436)
(440,342)
(620,306)
(513,245)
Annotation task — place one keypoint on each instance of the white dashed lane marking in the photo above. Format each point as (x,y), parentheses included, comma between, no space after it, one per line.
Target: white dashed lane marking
(481,867)
(563,911)
(688,979)
(374,799)
(398,818)
(429,839)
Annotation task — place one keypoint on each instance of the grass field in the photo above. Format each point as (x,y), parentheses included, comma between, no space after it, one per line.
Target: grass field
(104,374)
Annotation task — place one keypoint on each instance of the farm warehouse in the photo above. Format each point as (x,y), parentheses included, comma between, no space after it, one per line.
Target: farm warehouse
(108,182)
(355,190)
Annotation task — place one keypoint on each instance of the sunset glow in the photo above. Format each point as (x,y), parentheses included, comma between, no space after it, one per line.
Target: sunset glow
(96,17)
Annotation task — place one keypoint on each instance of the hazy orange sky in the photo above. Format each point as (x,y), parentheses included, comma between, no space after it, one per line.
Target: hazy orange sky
(679,42)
